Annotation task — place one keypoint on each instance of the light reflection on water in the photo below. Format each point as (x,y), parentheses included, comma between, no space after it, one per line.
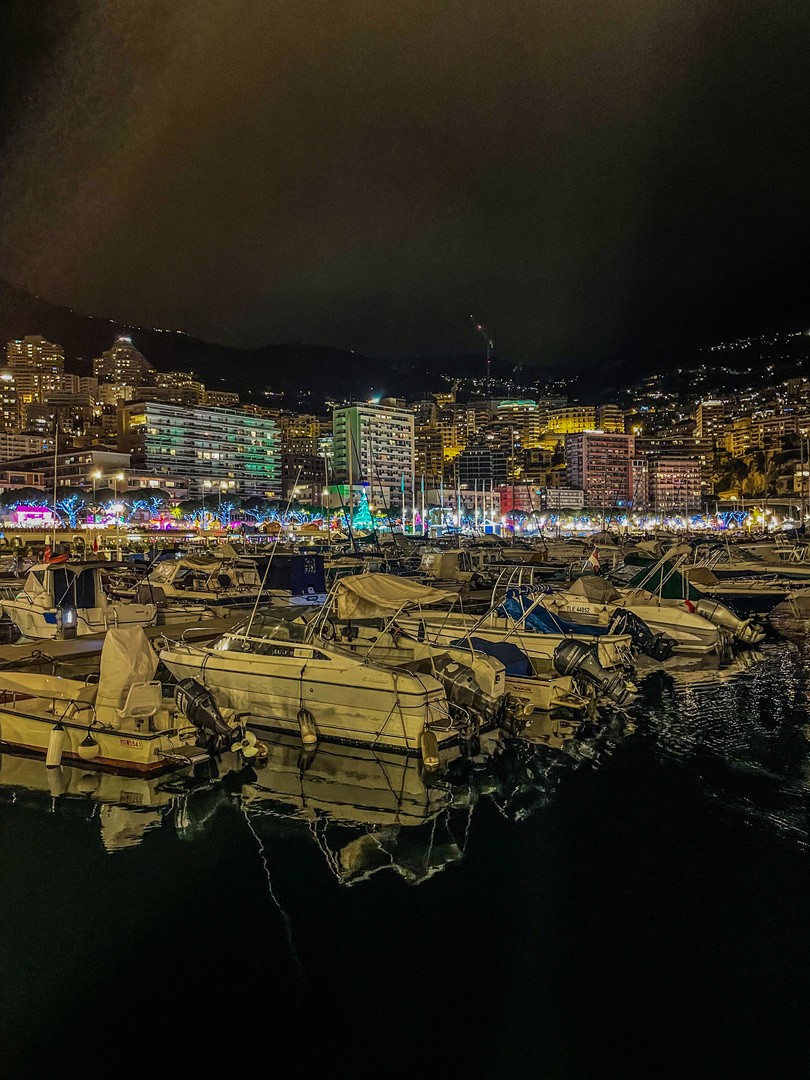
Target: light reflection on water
(365,811)
(744,731)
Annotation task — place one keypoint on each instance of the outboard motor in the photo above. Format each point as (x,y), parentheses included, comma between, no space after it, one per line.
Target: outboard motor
(658,646)
(580,660)
(462,687)
(746,631)
(199,708)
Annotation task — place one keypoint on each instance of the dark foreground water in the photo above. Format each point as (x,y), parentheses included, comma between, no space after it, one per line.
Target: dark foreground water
(602,902)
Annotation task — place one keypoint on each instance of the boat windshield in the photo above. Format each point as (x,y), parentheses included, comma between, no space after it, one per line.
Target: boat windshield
(282,625)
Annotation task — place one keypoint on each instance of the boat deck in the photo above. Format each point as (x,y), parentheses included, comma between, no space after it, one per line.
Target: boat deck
(90,645)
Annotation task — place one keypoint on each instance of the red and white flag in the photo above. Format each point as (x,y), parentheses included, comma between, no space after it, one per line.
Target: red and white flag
(593,560)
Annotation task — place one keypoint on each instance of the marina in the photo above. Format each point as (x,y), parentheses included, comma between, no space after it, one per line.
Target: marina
(404,541)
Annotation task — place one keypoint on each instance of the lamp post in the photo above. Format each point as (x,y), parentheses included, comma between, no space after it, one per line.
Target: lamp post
(96,476)
(206,484)
(119,509)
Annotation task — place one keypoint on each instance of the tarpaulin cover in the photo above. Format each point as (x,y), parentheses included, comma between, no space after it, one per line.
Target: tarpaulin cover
(541,620)
(366,596)
(126,658)
(595,589)
(513,659)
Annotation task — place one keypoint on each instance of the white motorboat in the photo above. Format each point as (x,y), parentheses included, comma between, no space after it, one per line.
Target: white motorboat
(595,602)
(224,581)
(614,651)
(69,599)
(266,670)
(121,722)
(495,668)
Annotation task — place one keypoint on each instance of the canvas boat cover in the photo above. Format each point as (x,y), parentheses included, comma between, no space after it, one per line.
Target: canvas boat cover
(126,658)
(596,589)
(514,660)
(540,620)
(368,596)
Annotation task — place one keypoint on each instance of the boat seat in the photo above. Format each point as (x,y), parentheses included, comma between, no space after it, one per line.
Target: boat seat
(143,700)
(148,594)
(86,696)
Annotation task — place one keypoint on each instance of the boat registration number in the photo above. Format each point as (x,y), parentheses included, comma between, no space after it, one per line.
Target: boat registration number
(132,742)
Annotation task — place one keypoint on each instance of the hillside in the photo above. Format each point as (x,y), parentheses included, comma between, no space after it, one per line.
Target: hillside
(296,370)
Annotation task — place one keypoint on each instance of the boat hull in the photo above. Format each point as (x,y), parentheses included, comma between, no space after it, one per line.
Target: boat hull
(356,704)
(25,730)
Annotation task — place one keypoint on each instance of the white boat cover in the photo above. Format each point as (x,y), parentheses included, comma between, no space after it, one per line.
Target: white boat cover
(368,596)
(596,589)
(126,658)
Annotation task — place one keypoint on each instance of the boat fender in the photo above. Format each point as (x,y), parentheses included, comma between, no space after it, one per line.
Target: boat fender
(57,781)
(429,745)
(88,748)
(56,747)
(309,730)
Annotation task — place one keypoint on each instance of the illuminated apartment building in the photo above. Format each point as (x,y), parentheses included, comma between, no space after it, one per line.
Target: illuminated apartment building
(208,446)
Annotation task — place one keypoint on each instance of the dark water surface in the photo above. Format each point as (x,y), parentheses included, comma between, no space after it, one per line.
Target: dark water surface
(619,903)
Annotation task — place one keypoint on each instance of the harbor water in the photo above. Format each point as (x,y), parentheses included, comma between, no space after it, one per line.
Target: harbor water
(628,898)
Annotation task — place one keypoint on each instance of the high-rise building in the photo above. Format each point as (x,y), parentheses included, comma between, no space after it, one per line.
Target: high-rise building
(674,485)
(482,462)
(209,446)
(374,444)
(610,418)
(9,404)
(190,390)
(122,364)
(601,464)
(572,419)
(525,417)
(710,420)
(429,454)
(35,352)
(220,399)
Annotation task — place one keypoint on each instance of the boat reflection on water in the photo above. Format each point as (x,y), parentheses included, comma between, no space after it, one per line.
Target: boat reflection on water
(366,811)
(125,807)
(369,811)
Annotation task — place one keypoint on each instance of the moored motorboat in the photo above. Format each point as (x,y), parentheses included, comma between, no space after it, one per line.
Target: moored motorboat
(267,670)
(63,599)
(121,722)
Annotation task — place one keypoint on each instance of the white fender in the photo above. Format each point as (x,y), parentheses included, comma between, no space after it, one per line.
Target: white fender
(56,747)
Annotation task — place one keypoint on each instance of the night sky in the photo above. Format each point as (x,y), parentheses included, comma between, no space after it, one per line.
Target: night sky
(584,176)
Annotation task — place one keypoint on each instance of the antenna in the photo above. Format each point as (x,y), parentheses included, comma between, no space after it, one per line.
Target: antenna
(479,328)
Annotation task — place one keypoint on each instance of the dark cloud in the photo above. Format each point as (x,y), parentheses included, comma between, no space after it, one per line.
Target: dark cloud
(584,176)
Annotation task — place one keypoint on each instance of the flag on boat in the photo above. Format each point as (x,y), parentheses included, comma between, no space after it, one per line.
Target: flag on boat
(593,560)
(95,543)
